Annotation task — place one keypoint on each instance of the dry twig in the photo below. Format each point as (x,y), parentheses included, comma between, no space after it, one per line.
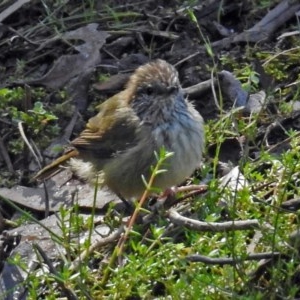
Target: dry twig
(177,219)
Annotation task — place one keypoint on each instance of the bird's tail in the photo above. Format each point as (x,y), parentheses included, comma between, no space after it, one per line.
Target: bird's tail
(55,167)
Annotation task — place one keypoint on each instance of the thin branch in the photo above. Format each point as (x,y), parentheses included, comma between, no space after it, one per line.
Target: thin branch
(177,219)
(200,88)
(231,261)
(21,130)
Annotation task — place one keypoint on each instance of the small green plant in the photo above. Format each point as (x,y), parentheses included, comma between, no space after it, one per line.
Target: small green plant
(39,122)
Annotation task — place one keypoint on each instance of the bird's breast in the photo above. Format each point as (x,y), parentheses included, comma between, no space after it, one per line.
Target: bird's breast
(185,139)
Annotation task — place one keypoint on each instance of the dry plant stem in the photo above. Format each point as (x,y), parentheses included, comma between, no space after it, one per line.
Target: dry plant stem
(200,88)
(189,195)
(262,187)
(10,223)
(255,239)
(177,219)
(287,140)
(213,89)
(231,261)
(193,191)
(30,217)
(22,36)
(168,35)
(69,129)
(98,244)
(191,188)
(21,130)
(130,224)
(11,9)
(121,244)
(189,57)
(280,53)
(6,157)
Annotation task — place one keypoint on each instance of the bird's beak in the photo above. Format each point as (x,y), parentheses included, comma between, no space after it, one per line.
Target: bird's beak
(172,89)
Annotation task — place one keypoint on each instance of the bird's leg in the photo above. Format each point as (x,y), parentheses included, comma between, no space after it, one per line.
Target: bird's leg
(168,196)
(128,204)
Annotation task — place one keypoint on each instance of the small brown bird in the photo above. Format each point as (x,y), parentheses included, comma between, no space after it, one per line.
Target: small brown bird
(118,144)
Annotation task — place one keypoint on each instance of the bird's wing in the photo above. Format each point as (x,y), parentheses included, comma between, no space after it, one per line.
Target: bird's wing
(112,130)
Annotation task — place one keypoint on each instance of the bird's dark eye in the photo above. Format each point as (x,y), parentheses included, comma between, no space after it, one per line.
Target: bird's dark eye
(149,90)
